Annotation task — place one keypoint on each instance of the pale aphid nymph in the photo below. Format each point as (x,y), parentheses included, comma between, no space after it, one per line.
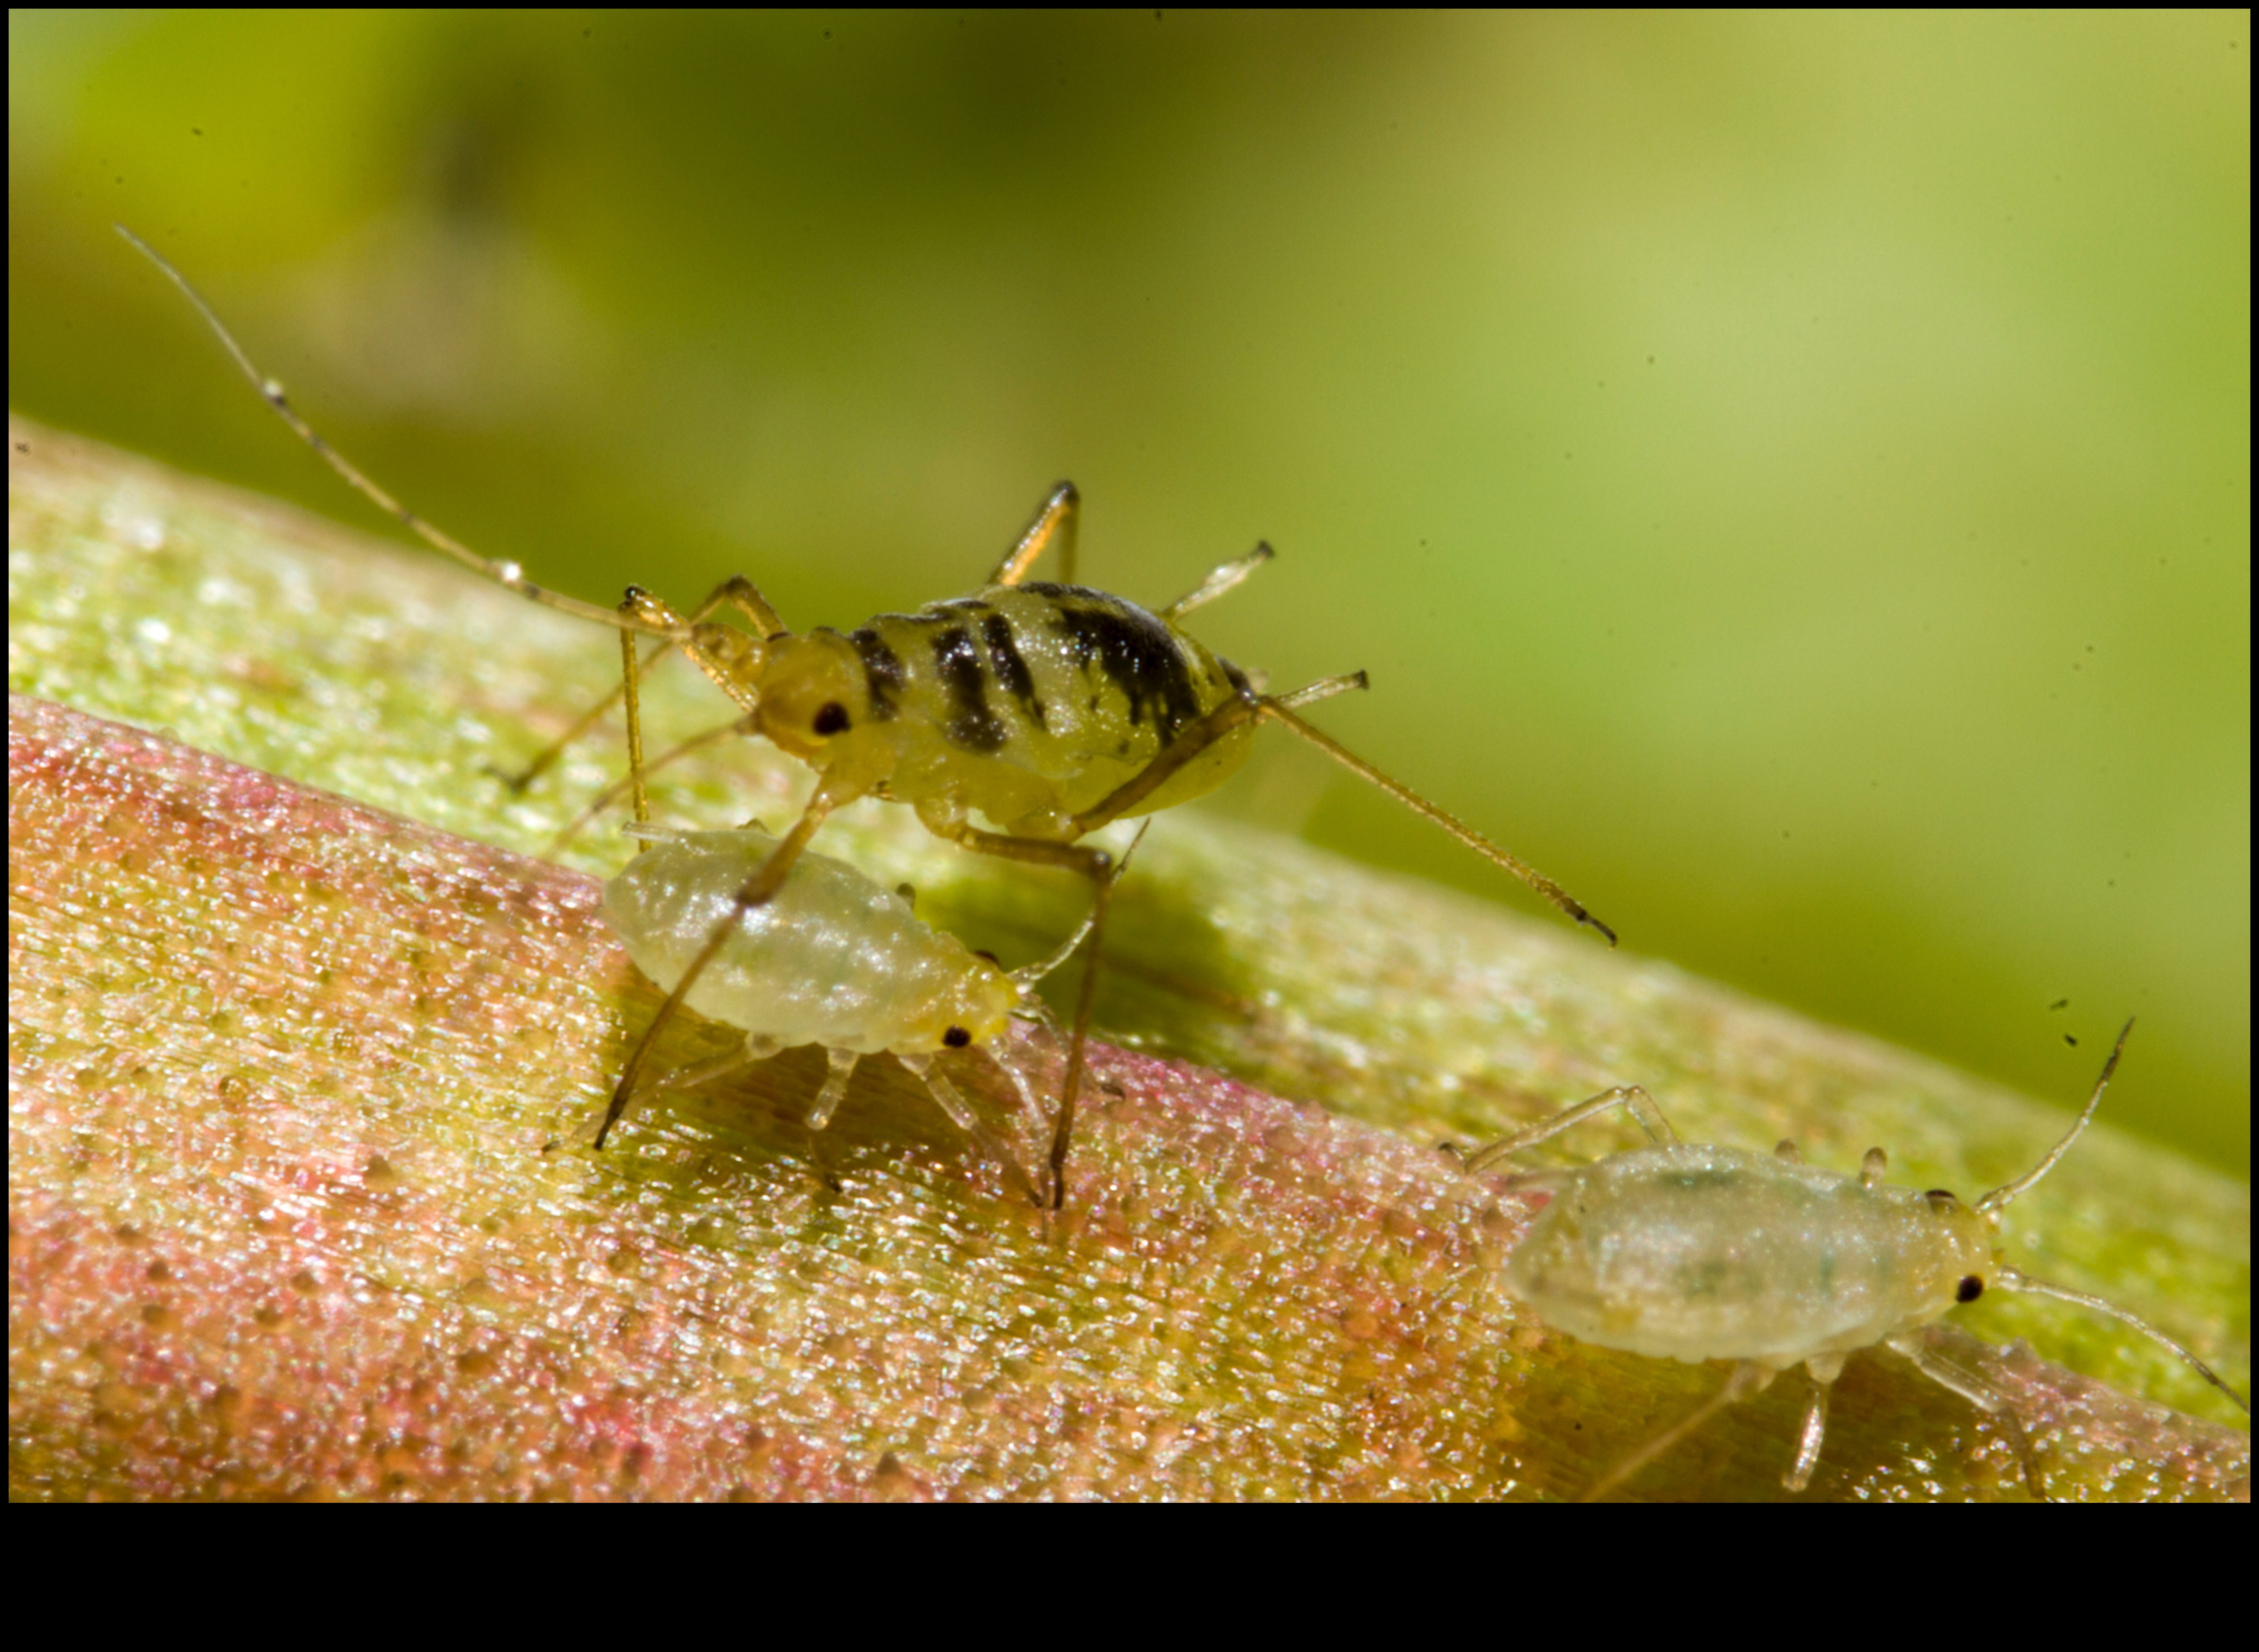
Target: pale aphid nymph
(1688,1251)
(836,959)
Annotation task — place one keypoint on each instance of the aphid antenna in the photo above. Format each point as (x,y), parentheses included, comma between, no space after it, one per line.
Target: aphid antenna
(501,571)
(2009,1278)
(2001,1198)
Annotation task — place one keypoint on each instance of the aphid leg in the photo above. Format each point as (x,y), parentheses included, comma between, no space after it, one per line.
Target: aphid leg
(1098,866)
(969,1121)
(757,891)
(1874,1164)
(1913,1346)
(612,793)
(1057,520)
(1823,1369)
(1063,1132)
(503,572)
(747,1051)
(1748,1377)
(743,1053)
(1218,582)
(1641,1104)
(1197,736)
(835,1086)
(1030,1109)
(639,610)
(516,780)
(632,670)
(1275,710)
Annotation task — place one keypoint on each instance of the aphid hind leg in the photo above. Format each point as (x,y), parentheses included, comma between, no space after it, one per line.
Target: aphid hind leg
(1193,739)
(1628,1096)
(1099,867)
(743,1053)
(1056,522)
(1277,710)
(1202,732)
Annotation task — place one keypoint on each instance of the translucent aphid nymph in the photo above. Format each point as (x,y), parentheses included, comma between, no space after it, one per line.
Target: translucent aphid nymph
(836,959)
(1683,1250)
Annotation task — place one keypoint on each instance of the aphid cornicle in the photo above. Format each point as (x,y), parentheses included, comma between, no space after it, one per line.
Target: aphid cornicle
(1683,1250)
(835,959)
(1048,710)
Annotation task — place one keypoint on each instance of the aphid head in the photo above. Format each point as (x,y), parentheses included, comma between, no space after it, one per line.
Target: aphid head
(974,1009)
(1966,1257)
(1967,1254)
(813,690)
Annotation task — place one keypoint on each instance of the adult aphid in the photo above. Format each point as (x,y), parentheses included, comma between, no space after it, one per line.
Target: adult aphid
(834,960)
(1683,1250)
(1049,710)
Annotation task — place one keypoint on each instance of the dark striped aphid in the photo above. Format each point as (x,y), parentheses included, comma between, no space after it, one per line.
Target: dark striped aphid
(1048,710)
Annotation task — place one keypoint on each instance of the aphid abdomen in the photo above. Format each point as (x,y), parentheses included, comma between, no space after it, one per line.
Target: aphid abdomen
(1030,703)
(1693,1252)
(835,958)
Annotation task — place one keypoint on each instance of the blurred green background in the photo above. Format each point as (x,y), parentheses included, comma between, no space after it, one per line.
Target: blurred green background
(1787,476)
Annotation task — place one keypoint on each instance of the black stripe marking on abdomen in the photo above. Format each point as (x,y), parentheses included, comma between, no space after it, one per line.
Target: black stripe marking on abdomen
(970,724)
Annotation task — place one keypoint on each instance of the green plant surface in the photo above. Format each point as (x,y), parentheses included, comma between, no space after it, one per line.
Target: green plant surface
(301,1088)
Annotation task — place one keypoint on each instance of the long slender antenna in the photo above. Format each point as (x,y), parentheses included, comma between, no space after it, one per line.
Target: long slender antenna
(2008,1279)
(1275,709)
(502,573)
(1999,1198)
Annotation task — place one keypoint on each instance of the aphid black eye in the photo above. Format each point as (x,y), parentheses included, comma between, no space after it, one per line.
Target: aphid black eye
(1969,1290)
(831,718)
(957,1038)
(1940,1197)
